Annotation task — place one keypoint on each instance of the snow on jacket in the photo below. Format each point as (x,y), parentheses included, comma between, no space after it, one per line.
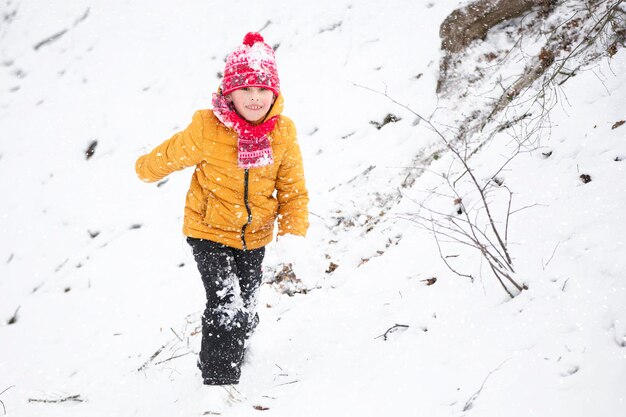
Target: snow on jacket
(225,203)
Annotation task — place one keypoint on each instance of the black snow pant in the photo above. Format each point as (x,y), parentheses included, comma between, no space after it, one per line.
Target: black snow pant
(231,280)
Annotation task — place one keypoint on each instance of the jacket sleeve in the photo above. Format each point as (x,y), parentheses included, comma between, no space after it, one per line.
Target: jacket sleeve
(182,150)
(293,197)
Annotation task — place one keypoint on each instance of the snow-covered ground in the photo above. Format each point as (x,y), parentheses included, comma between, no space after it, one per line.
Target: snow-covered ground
(100,298)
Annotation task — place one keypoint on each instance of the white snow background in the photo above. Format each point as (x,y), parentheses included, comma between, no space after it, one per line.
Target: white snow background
(96,277)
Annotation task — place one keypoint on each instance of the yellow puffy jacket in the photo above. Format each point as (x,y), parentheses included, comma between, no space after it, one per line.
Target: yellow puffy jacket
(227,204)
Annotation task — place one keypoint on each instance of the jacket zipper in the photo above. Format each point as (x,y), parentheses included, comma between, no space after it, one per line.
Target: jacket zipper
(246,177)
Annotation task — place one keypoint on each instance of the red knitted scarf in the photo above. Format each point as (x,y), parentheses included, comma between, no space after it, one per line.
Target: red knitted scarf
(253,144)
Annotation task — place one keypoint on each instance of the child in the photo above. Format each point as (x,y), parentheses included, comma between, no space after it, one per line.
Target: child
(243,150)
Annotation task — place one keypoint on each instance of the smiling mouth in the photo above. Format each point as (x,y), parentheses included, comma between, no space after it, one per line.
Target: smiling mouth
(254,107)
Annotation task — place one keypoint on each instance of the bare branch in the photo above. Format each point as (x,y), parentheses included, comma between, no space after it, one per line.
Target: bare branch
(495,272)
(74,398)
(2,403)
(391,330)
(470,402)
(508,215)
(445,261)
(154,355)
(172,358)
(551,256)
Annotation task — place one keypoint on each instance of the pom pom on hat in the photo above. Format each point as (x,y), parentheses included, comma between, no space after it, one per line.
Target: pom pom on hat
(252,37)
(253,64)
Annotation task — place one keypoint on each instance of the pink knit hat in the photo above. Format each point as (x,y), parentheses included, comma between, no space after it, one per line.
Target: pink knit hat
(253,64)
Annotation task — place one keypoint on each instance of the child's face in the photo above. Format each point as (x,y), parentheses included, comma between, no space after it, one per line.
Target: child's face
(252,103)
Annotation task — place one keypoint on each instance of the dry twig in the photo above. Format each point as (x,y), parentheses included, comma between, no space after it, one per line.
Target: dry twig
(470,402)
(391,330)
(2,403)
(154,355)
(73,398)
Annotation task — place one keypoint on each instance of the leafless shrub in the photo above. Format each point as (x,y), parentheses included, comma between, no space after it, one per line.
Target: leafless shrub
(481,206)
(475,226)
